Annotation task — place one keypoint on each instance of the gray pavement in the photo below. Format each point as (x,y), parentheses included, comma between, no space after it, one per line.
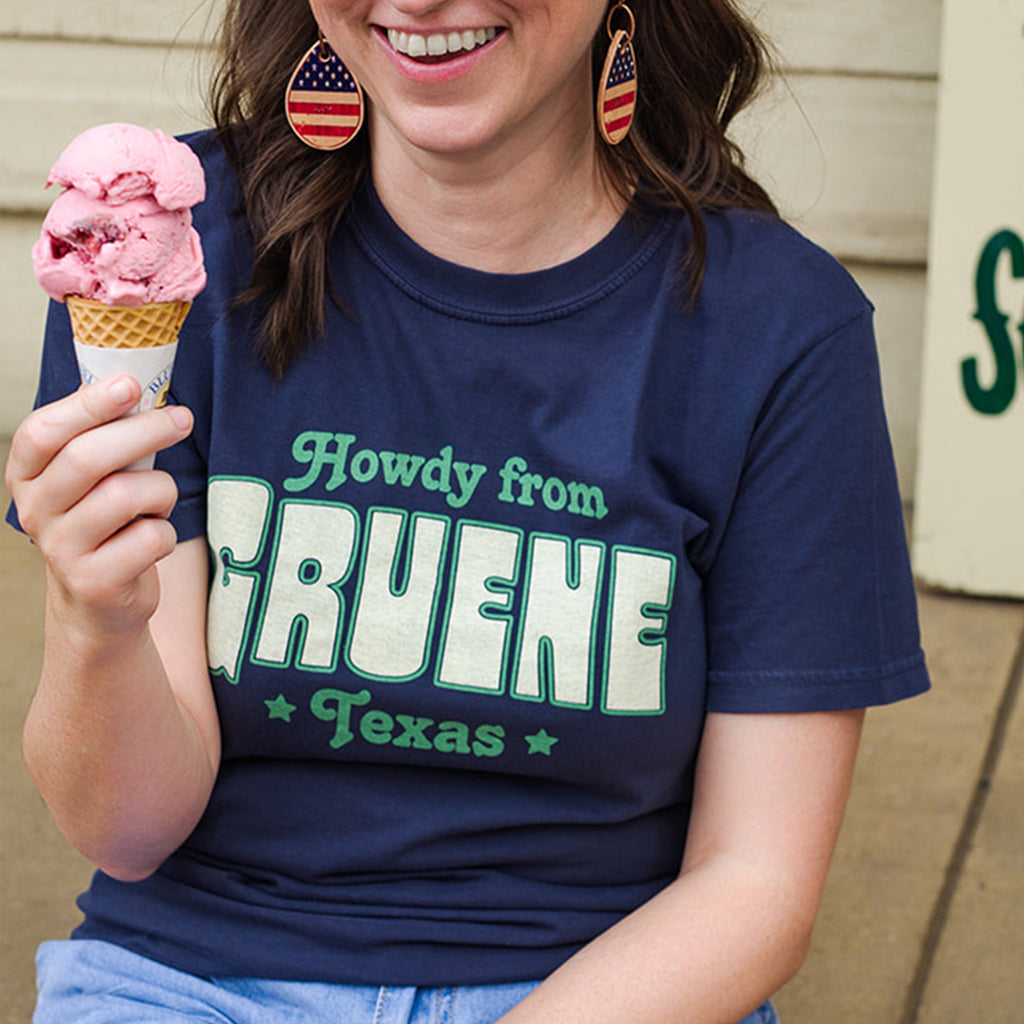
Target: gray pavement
(922,917)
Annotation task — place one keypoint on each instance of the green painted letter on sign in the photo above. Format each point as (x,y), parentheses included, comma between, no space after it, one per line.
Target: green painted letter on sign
(995,400)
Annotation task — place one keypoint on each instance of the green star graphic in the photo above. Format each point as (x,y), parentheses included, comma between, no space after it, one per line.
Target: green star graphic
(280,708)
(541,742)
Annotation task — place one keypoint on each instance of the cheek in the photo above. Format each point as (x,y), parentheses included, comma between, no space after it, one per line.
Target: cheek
(347,32)
(573,37)
(589,18)
(340,16)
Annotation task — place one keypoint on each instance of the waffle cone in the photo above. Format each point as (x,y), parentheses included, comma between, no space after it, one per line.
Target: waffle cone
(148,326)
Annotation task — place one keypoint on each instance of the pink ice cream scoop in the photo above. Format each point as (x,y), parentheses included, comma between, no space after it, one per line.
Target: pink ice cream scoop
(121,233)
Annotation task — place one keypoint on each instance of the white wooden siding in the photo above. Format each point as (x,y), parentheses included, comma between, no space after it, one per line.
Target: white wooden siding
(153,86)
(112,21)
(845,142)
(892,38)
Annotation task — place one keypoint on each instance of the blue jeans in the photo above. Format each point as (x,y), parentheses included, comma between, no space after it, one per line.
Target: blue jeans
(88,982)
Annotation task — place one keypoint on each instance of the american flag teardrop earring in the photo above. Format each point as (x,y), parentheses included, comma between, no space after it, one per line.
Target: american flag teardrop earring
(616,94)
(324,103)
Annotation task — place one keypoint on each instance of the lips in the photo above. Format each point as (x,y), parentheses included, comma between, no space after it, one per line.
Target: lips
(436,47)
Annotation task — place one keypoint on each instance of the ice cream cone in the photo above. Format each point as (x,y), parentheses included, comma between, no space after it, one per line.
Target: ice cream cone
(121,233)
(138,340)
(148,326)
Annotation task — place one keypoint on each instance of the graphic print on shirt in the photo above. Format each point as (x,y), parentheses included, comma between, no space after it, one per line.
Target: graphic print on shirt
(309,584)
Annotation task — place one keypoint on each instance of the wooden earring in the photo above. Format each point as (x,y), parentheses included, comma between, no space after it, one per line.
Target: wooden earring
(616,94)
(324,103)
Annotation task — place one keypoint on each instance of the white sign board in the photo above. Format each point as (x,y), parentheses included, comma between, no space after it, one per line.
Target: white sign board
(969,508)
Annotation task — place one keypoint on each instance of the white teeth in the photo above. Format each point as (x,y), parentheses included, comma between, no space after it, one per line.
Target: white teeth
(438,44)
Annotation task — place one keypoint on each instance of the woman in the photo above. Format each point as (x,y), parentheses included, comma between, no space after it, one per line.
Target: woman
(556,548)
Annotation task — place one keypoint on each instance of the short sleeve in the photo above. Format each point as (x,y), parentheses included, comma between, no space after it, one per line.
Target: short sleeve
(810,599)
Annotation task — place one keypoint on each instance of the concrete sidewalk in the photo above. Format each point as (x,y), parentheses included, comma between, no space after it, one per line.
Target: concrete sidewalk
(922,914)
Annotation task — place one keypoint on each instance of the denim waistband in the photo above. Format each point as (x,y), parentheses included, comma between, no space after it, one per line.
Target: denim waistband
(91,982)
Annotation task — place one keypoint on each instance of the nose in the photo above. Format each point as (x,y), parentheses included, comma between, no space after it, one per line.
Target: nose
(419,8)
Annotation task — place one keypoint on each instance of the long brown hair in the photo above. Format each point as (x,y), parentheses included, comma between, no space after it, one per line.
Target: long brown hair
(700,63)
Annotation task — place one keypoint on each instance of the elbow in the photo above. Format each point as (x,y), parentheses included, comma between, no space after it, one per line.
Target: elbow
(98,831)
(792,942)
(126,853)
(127,828)
(34,752)
(127,870)
(125,858)
(792,903)
(793,955)
(119,856)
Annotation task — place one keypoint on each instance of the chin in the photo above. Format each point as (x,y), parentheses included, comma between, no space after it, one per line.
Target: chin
(447,131)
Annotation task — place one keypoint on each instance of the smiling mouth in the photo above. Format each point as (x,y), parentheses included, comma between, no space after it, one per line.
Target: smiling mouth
(439,46)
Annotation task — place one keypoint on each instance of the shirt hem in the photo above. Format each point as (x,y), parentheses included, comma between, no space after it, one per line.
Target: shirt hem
(836,690)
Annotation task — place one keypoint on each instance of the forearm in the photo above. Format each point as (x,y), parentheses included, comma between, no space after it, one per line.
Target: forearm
(122,765)
(768,803)
(123,743)
(709,949)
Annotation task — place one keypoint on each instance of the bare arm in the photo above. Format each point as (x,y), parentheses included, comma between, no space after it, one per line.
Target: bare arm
(122,736)
(736,924)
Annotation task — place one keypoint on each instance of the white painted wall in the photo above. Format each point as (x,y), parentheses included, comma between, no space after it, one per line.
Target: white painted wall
(845,142)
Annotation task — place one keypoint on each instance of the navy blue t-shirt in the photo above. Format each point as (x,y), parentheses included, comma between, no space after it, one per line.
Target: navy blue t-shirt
(483,560)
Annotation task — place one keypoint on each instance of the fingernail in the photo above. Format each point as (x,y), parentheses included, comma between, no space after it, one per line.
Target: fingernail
(121,390)
(181,416)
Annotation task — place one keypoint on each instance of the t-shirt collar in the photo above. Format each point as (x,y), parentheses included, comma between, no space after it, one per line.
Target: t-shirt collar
(503,298)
